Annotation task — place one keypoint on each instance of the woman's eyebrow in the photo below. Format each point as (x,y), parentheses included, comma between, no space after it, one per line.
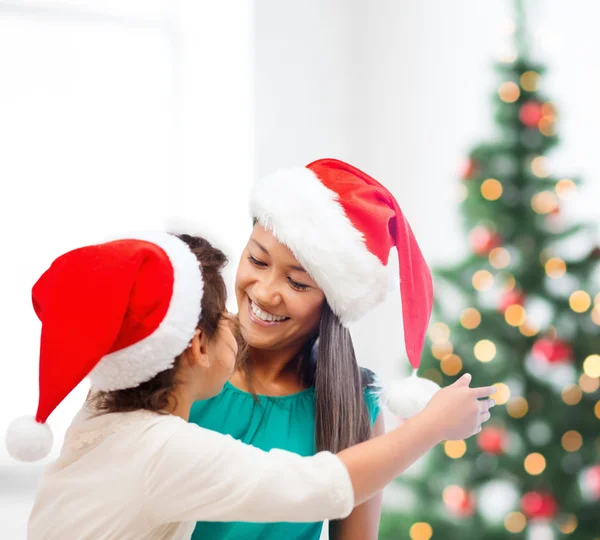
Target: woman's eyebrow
(266,252)
(260,246)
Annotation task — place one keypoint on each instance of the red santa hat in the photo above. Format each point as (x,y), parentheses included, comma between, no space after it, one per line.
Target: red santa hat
(118,313)
(341,224)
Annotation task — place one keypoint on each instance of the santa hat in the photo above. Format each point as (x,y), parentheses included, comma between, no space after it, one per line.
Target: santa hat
(341,224)
(119,313)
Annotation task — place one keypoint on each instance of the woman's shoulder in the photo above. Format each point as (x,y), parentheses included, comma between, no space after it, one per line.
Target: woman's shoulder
(371,393)
(368,378)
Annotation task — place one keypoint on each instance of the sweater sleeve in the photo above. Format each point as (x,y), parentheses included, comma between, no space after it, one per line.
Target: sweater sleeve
(201,475)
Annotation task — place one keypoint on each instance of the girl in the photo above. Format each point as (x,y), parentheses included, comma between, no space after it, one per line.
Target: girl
(315,261)
(145,320)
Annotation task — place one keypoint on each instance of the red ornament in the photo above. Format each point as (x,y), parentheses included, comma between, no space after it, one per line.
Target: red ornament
(538,505)
(483,240)
(510,298)
(459,502)
(531,113)
(469,169)
(595,253)
(552,351)
(492,440)
(591,482)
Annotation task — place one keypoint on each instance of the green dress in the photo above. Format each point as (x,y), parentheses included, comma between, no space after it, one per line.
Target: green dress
(286,422)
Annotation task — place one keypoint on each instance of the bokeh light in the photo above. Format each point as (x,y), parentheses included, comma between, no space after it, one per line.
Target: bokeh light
(535,464)
(515,522)
(451,364)
(572,394)
(568,524)
(439,350)
(499,258)
(539,166)
(515,315)
(580,301)
(529,81)
(421,531)
(509,92)
(439,332)
(565,188)
(485,350)
(517,407)
(491,189)
(455,449)
(555,267)
(544,202)
(589,384)
(591,365)
(483,280)
(470,318)
(502,394)
(572,441)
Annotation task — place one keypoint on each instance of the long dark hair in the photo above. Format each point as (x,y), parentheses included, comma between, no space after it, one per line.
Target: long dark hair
(341,417)
(154,395)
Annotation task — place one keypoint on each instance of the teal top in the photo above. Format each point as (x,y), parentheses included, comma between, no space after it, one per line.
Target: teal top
(286,422)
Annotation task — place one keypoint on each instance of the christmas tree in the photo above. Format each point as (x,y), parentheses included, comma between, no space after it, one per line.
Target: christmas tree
(520,313)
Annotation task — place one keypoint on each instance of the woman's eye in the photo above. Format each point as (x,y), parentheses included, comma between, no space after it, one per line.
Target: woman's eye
(297,286)
(256,262)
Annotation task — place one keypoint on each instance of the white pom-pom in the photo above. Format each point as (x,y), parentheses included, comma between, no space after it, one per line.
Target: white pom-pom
(407,397)
(28,440)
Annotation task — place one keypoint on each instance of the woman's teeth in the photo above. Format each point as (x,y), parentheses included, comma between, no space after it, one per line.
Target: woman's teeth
(264,316)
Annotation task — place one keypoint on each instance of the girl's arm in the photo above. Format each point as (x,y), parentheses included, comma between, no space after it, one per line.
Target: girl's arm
(200,475)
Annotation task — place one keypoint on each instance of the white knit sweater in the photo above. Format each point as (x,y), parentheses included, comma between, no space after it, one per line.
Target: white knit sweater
(142,475)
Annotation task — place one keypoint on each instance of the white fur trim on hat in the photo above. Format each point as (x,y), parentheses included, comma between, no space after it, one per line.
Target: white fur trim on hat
(407,397)
(307,217)
(140,362)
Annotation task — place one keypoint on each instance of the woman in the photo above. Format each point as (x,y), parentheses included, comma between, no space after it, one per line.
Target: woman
(316,260)
(144,318)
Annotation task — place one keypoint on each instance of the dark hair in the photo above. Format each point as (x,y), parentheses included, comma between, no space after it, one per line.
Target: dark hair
(154,394)
(341,417)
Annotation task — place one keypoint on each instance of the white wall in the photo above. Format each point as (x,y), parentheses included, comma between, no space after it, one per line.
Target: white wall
(407,86)
(304,82)
(116,115)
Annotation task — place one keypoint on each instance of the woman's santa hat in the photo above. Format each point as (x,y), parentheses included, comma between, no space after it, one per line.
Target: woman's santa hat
(119,313)
(341,224)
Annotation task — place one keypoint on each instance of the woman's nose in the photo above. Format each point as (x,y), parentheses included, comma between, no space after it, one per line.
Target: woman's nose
(266,292)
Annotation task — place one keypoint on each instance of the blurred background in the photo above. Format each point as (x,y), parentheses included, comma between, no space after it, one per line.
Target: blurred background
(119,115)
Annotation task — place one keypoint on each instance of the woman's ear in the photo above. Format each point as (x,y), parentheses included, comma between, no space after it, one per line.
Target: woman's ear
(197,350)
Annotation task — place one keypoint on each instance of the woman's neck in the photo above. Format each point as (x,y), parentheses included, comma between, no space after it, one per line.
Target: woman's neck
(272,373)
(270,366)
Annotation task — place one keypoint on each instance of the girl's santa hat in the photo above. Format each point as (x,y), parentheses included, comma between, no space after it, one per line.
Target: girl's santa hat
(119,313)
(341,224)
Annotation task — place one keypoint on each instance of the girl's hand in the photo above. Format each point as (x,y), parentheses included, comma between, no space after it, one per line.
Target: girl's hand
(459,409)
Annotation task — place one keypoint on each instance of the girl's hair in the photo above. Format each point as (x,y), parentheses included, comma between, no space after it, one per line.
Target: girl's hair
(154,394)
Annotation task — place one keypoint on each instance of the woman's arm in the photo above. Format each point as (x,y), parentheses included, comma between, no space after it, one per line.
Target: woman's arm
(363,522)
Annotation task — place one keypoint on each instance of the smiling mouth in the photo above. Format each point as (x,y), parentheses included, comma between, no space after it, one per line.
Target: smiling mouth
(264,316)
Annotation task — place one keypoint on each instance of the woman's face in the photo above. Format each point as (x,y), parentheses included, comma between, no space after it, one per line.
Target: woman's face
(279,303)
